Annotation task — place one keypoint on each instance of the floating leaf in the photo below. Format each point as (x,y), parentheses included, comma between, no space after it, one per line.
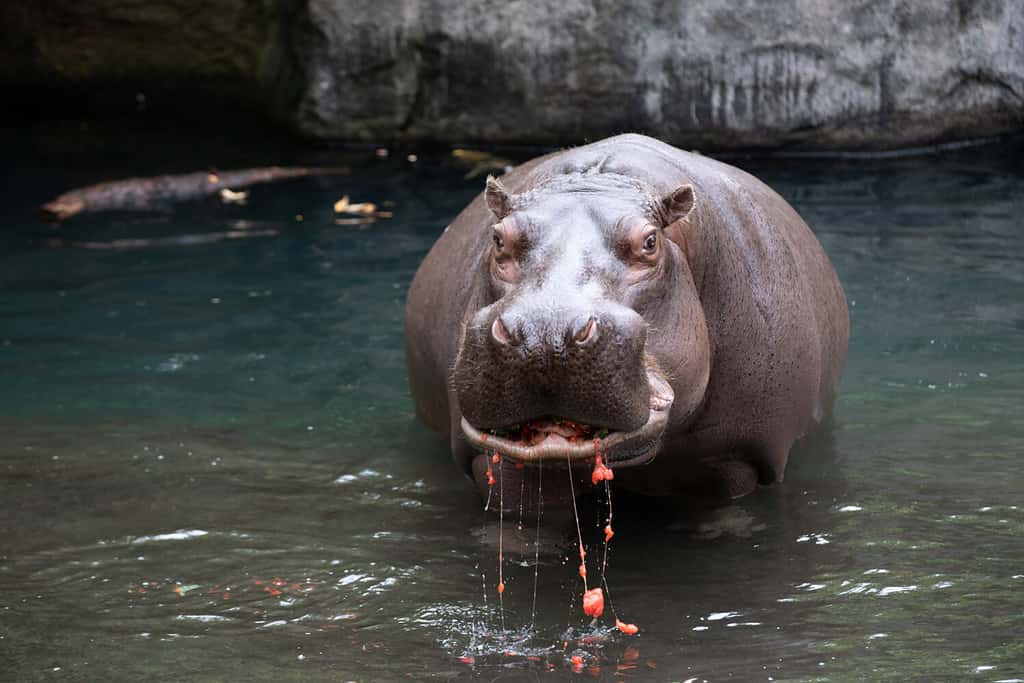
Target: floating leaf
(231,197)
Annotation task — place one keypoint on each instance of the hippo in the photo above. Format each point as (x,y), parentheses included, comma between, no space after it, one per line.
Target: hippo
(660,313)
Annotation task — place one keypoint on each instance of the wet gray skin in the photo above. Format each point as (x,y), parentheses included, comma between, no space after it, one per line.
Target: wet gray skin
(674,309)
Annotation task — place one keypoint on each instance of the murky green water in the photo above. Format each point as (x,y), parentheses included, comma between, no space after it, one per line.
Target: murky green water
(209,467)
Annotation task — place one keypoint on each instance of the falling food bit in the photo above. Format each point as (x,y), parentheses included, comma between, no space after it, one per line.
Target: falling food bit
(495,458)
(491,481)
(593,602)
(501,587)
(467,660)
(601,472)
(577,663)
(608,533)
(583,571)
(628,629)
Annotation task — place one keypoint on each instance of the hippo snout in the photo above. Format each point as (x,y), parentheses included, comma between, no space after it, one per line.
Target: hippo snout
(519,363)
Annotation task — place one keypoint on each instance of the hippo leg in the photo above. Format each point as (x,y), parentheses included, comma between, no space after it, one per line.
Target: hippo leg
(734,479)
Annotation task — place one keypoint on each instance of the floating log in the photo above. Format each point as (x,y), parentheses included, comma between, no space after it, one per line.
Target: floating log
(141,194)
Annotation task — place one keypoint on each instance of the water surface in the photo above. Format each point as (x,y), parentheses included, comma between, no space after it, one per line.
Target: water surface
(210,470)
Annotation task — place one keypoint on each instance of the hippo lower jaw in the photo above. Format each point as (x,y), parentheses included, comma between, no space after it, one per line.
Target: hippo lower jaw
(620,449)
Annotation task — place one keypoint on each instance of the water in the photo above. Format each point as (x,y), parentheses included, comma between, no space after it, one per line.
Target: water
(211,470)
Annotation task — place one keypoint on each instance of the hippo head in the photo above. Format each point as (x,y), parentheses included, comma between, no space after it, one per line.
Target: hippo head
(588,336)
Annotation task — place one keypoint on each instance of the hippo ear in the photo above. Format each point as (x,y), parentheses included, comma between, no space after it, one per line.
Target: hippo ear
(676,207)
(498,199)
(677,204)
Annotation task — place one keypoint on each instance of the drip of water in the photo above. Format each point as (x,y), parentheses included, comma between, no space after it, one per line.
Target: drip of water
(579,536)
(501,546)
(604,560)
(483,581)
(490,487)
(522,494)
(536,542)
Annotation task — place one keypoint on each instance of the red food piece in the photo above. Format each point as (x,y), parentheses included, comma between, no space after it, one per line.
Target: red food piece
(467,660)
(601,473)
(583,553)
(495,458)
(608,533)
(593,602)
(577,663)
(583,571)
(628,629)
(501,587)
(490,476)
(538,431)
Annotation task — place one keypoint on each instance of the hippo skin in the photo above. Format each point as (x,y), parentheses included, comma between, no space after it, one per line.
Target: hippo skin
(627,299)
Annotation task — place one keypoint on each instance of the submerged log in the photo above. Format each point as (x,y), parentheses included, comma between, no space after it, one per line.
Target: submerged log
(140,194)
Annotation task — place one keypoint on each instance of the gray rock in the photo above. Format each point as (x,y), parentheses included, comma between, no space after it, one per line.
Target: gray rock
(813,74)
(719,73)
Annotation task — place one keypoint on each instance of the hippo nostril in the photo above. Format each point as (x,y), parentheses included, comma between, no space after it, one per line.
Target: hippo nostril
(501,333)
(586,332)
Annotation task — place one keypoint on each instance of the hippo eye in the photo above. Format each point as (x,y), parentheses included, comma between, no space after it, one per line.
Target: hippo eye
(650,243)
(499,243)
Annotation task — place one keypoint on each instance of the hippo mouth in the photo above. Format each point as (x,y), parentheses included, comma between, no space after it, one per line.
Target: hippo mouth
(552,438)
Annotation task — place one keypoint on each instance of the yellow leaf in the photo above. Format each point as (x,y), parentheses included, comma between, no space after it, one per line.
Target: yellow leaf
(364,208)
(231,197)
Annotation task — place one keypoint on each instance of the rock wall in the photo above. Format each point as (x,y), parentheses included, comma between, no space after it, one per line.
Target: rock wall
(717,73)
